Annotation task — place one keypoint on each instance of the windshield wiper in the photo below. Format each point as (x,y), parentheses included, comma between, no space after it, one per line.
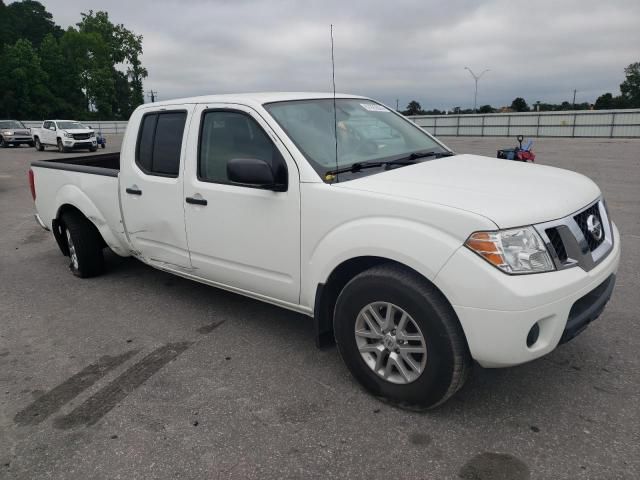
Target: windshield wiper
(406,160)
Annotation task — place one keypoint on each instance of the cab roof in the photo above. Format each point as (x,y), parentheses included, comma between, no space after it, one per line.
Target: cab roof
(253,99)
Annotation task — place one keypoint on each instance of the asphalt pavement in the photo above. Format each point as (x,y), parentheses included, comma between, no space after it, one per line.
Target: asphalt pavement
(141,374)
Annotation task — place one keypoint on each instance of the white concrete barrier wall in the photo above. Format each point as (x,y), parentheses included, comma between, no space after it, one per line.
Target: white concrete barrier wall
(582,123)
(107,127)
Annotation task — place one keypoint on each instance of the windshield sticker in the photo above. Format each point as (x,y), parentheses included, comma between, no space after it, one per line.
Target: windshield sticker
(373,107)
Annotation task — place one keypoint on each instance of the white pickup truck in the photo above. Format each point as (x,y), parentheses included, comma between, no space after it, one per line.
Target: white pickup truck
(417,260)
(65,135)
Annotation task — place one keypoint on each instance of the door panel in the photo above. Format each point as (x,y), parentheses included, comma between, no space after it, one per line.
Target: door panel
(49,135)
(247,238)
(151,186)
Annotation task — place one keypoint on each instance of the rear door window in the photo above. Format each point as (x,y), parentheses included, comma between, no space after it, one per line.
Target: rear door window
(160,143)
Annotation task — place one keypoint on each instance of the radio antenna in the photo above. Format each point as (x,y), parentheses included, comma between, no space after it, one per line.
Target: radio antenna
(335,114)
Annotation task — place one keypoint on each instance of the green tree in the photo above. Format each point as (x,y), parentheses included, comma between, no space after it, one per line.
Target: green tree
(413,108)
(630,88)
(93,70)
(486,109)
(519,105)
(123,48)
(27,19)
(23,83)
(69,100)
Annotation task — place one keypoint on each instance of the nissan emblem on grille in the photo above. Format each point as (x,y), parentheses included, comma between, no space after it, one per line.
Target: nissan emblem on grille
(594,227)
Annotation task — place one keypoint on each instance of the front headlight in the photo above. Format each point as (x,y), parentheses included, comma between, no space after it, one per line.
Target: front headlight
(514,251)
(68,135)
(7,133)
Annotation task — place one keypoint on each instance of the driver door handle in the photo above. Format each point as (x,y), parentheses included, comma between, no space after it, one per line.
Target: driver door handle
(196,201)
(133,191)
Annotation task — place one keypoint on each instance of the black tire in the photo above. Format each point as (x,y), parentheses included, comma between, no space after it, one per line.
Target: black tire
(31,144)
(39,146)
(448,361)
(3,144)
(103,145)
(62,148)
(83,241)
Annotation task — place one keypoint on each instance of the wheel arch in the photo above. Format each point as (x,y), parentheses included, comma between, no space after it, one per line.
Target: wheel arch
(71,196)
(327,292)
(58,227)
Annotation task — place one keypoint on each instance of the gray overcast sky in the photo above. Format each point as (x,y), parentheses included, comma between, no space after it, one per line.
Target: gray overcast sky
(540,50)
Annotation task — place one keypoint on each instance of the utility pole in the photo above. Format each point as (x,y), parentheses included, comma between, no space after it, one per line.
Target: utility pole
(397,107)
(574,98)
(476,78)
(152,95)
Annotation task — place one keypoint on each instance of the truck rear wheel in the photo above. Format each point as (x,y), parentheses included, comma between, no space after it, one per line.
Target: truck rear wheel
(400,338)
(84,245)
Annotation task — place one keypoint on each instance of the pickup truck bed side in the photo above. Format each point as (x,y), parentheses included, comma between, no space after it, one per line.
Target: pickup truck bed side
(67,182)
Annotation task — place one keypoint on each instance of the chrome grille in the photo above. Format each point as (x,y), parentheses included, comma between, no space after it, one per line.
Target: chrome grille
(582,221)
(81,136)
(574,241)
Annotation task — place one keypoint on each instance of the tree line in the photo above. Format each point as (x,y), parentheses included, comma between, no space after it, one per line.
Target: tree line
(90,71)
(629,98)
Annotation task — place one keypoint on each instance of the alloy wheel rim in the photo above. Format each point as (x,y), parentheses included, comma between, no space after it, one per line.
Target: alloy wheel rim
(72,251)
(390,342)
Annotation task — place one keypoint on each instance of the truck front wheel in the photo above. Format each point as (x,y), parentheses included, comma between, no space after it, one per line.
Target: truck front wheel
(84,245)
(400,338)
(39,145)
(62,148)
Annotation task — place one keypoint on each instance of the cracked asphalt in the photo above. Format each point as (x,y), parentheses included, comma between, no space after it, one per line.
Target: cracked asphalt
(141,374)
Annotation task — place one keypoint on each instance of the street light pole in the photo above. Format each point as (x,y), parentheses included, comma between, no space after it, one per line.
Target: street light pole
(476,78)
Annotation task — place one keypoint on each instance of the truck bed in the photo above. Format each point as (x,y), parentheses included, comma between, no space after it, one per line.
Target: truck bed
(101,164)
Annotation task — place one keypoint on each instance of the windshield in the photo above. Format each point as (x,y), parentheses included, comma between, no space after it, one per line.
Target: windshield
(71,126)
(367,132)
(11,124)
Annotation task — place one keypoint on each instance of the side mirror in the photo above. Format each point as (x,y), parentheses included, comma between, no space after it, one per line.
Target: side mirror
(253,172)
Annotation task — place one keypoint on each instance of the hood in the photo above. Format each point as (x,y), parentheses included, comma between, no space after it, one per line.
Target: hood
(78,130)
(507,192)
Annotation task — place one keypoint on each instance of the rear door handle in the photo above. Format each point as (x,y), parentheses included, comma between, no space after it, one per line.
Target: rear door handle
(196,201)
(133,191)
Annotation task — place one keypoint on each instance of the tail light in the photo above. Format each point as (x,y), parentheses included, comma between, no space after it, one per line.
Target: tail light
(32,185)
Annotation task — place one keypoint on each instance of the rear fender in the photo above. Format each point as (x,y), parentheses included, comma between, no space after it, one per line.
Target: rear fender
(71,195)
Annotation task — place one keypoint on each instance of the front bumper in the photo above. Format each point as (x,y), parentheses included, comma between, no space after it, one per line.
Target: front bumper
(92,143)
(497,311)
(18,139)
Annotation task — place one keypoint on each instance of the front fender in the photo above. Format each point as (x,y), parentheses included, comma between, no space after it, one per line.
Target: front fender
(421,247)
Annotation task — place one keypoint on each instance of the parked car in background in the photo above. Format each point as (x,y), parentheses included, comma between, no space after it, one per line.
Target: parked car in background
(416,259)
(65,135)
(14,132)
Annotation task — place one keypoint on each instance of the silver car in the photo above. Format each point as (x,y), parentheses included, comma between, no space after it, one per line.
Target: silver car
(13,132)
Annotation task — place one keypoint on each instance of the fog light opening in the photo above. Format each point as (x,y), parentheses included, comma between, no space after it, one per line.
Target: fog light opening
(532,336)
